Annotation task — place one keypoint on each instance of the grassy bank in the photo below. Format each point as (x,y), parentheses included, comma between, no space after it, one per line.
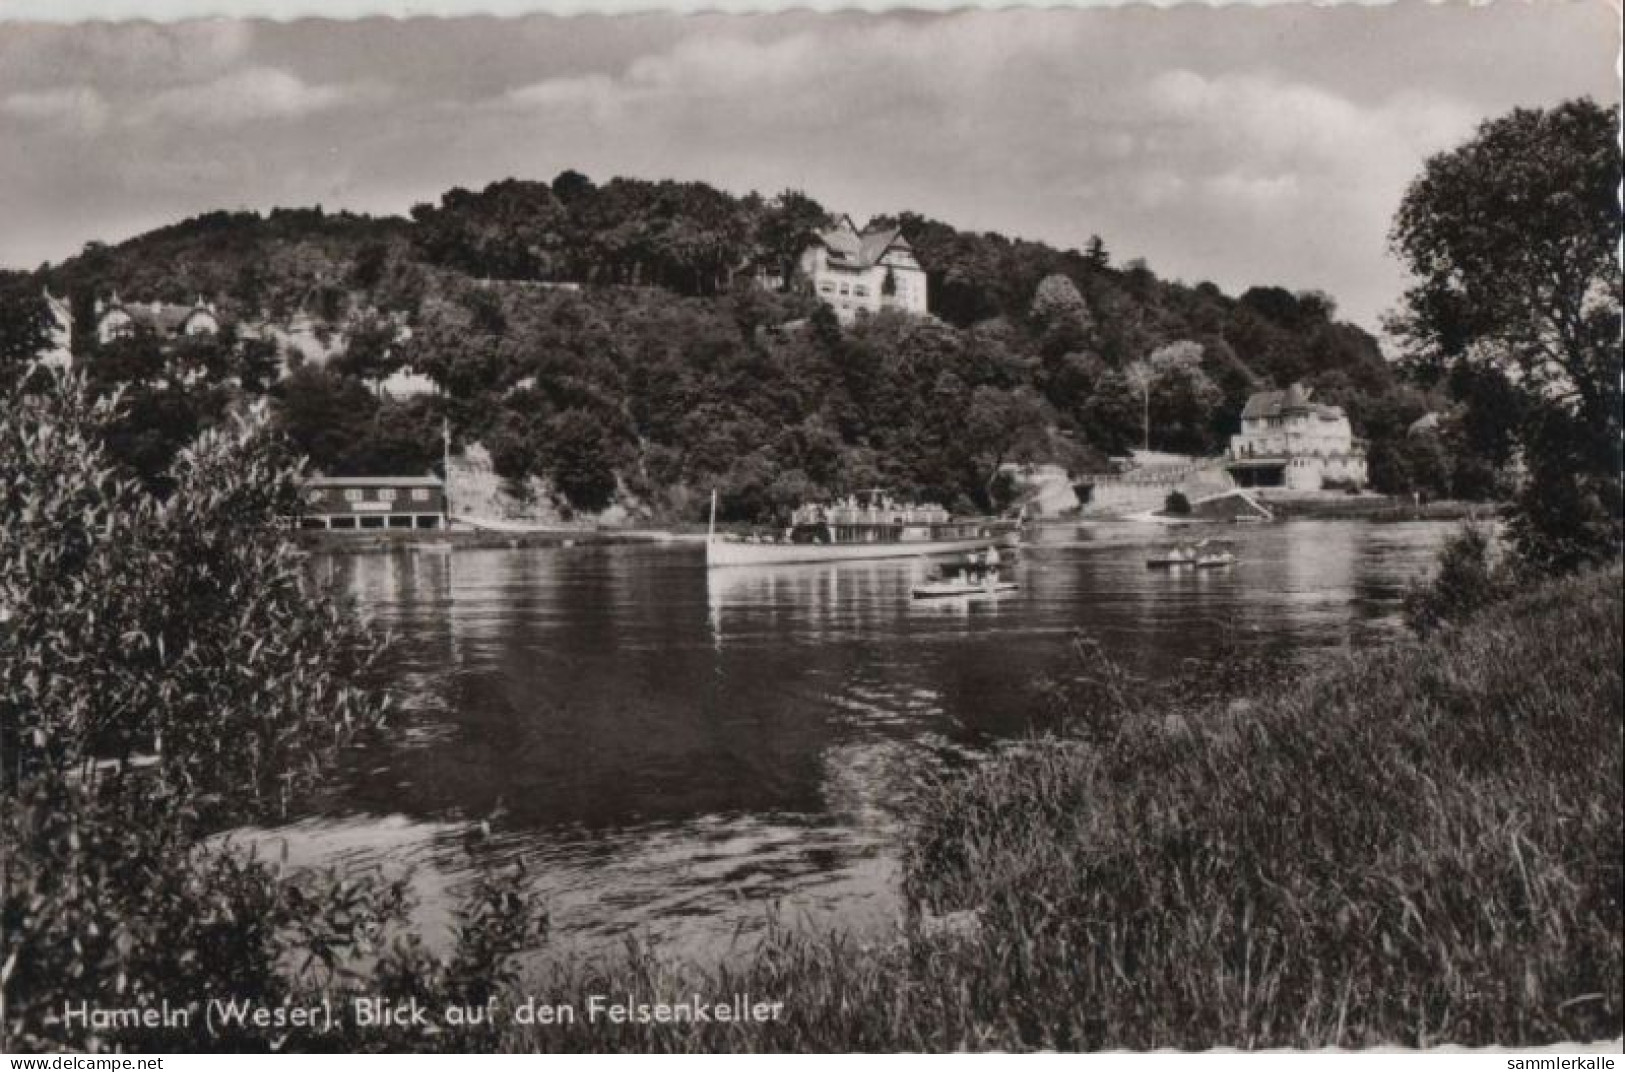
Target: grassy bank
(1381,508)
(1419,845)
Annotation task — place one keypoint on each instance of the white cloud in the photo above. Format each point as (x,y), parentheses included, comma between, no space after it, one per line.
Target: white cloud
(1280,124)
(77,108)
(123,53)
(249,95)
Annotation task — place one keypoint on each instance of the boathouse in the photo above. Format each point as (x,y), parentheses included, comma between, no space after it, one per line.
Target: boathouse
(374,502)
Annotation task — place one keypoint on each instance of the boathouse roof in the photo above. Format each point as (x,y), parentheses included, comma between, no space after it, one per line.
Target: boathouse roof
(374,481)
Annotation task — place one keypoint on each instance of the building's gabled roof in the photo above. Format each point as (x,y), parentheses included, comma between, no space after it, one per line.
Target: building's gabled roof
(849,247)
(163,318)
(1294,399)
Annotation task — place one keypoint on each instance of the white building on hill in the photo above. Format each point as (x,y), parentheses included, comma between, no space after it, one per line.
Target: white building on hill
(1287,441)
(865,271)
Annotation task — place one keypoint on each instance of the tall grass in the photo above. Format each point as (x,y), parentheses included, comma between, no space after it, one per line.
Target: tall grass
(1419,845)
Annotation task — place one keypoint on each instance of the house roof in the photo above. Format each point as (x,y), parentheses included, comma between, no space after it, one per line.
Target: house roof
(1294,399)
(163,318)
(860,249)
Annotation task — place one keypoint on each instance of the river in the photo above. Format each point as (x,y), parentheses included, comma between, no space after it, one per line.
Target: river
(676,753)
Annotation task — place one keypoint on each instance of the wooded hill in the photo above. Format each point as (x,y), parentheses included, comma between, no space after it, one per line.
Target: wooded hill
(668,370)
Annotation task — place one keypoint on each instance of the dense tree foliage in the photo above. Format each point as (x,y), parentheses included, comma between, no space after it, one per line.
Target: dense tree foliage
(25,324)
(1514,242)
(613,339)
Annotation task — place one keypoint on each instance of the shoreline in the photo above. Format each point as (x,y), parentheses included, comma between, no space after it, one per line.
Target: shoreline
(1385,509)
(389,541)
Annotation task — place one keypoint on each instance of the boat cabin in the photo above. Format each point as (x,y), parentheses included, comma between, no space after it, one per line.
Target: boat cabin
(873,516)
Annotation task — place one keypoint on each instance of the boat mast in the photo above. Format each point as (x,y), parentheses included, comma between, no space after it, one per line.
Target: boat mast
(711,529)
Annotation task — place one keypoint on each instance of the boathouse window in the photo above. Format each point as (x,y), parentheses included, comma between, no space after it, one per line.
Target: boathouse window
(386,494)
(420,494)
(353,495)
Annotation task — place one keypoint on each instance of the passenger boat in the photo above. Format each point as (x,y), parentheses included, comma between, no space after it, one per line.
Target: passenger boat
(867,525)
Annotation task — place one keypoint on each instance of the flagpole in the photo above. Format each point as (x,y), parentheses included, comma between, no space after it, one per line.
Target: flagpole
(445,462)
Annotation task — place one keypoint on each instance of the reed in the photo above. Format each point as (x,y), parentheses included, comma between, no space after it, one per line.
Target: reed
(1420,844)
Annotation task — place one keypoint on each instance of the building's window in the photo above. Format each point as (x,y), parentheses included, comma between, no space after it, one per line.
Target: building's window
(845,290)
(386,494)
(353,495)
(860,291)
(826,288)
(420,494)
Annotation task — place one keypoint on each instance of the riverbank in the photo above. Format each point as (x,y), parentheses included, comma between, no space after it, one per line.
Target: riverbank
(1380,508)
(1418,845)
(442,540)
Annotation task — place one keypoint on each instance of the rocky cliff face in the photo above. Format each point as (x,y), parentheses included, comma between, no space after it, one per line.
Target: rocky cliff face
(476,491)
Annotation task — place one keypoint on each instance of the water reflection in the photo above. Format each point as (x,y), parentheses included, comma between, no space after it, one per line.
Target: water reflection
(670,748)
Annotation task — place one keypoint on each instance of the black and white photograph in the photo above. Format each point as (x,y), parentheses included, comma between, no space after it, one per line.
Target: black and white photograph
(1091,528)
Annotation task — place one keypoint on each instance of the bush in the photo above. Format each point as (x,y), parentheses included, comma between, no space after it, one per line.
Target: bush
(1568,513)
(167,671)
(1468,579)
(1176,504)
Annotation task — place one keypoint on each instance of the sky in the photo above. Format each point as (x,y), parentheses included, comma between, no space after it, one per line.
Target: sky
(1238,145)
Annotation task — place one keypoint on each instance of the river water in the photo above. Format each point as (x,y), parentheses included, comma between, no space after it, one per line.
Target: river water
(676,753)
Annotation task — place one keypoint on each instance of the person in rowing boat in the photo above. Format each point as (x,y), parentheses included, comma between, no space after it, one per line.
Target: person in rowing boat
(984,568)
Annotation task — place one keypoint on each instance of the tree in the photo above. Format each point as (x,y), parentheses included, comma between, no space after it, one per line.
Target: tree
(1185,405)
(370,351)
(570,186)
(1061,315)
(1513,239)
(1184,358)
(1002,426)
(1111,417)
(785,228)
(581,460)
(167,670)
(1095,253)
(257,364)
(25,325)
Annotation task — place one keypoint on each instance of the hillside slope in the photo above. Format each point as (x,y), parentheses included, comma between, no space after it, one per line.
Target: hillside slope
(662,367)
